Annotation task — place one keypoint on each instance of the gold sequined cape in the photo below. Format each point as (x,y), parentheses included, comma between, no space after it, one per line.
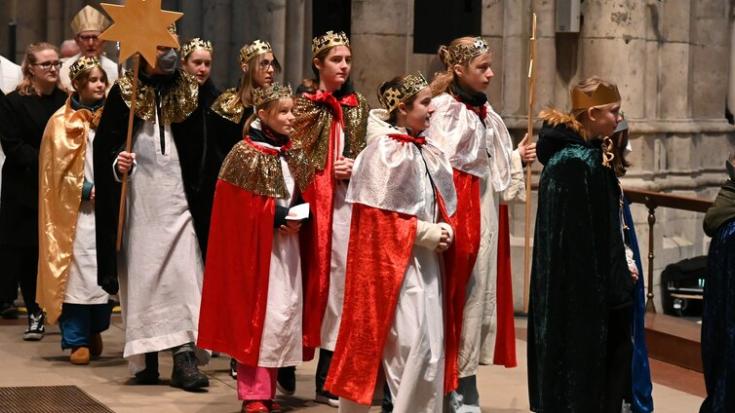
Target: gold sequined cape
(229,106)
(310,138)
(177,104)
(61,177)
(254,170)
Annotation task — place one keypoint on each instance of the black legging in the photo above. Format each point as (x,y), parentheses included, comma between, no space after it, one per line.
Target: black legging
(619,355)
(20,266)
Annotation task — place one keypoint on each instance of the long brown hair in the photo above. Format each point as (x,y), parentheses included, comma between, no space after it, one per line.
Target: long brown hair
(25,87)
(247,84)
(442,80)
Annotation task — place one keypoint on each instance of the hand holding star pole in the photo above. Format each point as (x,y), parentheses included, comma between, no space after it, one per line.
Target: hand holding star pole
(139,27)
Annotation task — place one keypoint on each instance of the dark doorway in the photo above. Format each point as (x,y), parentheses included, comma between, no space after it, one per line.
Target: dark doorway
(335,15)
(437,22)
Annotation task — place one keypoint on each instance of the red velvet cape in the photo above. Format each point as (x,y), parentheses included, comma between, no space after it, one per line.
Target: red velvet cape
(235,291)
(505,338)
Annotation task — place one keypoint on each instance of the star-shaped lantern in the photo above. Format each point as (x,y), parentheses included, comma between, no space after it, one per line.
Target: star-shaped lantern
(140,26)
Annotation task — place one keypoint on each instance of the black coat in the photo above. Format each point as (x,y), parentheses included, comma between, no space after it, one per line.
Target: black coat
(192,144)
(22,122)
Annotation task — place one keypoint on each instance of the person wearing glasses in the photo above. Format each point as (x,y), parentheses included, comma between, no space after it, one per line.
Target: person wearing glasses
(23,117)
(87,26)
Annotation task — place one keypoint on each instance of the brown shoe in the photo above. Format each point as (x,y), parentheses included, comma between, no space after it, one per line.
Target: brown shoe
(95,345)
(79,355)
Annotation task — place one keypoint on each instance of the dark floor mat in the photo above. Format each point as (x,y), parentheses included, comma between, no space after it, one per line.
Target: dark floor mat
(48,399)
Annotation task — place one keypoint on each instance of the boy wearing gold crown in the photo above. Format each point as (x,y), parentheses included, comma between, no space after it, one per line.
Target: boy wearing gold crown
(579,342)
(87,26)
(329,133)
(252,299)
(159,268)
(402,192)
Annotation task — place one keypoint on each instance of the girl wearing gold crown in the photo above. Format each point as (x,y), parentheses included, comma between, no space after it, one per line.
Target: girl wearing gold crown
(196,60)
(252,298)
(402,193)
(329,132)
(579,343)
(67,264)
(480,150)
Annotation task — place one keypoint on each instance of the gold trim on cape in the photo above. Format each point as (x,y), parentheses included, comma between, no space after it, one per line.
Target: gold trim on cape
(310,138)
(229,106)
(177,104)
(61,177)
(255,171)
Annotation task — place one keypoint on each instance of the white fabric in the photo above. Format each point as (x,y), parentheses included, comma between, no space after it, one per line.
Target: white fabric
(10,76)
(516,191)
(340,238)
(280,344)
(483,151)
(82,287)
(160,265)
(109,66)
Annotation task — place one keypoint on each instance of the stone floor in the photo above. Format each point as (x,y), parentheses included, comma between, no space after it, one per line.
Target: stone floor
(107,379)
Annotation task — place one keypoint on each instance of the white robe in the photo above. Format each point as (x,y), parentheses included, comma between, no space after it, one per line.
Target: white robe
(280,344)
(338,261)
(160,265)
(82,287)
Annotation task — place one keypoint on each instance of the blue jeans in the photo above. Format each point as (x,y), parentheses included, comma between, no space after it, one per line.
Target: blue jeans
(79,321)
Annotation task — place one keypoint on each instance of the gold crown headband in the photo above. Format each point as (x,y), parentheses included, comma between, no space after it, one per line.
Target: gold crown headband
(408,87)
(463,53)
(89,19)
(83,64)
(256,48)
(196,43)
(603,95)
(275,91)
(327,41)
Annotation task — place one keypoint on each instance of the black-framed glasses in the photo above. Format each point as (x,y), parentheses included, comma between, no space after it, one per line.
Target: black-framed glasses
(265,64)
(47,65)
(88,37)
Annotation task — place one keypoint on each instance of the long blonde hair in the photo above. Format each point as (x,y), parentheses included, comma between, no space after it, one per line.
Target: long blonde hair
(25,87)
(442,80)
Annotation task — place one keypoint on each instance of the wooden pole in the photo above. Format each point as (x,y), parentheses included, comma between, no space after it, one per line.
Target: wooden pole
(128,148)
(529,131)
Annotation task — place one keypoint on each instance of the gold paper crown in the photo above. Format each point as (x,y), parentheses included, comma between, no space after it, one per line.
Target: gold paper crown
(89,19)
(274,91)
(463,53)
(196,43)
(327,41)
(83,64)
(603,95)
(408,87)
(256,48)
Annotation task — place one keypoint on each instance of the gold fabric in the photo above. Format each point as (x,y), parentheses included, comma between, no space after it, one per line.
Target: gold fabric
(229,106)
(61,177)
(255,171)
(176,105)
(310,138)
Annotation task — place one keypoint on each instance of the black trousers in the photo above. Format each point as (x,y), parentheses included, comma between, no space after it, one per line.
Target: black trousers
(619,358)
(322,368)
(19,266)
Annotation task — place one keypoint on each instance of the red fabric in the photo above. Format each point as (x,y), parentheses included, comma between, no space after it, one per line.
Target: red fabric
(316,234)
(407,138)
(235,291)
(378,254)
(481,111)
(505,339)
(459,261)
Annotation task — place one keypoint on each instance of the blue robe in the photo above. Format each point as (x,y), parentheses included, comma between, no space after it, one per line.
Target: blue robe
(642,401)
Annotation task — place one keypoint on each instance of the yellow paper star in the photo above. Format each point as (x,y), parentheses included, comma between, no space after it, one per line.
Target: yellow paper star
(140,26)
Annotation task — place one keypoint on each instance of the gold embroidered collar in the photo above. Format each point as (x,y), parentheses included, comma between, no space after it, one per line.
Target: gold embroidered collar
(178,102)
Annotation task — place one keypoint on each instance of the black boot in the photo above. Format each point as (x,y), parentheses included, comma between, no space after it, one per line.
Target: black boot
(185,374)
(286,380)
(150,374)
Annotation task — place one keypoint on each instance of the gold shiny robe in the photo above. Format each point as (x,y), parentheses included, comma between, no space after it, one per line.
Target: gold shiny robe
(61,177)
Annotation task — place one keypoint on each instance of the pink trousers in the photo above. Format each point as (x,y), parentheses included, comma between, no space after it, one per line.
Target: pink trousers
(256,383)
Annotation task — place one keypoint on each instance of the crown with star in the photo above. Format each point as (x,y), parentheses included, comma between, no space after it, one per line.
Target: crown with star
(269,93)
(256,48)
(83,64)
(409,86)
(329,40)
(194,44)
(463,52)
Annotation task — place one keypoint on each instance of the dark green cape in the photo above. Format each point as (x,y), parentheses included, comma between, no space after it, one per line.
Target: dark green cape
(579,274)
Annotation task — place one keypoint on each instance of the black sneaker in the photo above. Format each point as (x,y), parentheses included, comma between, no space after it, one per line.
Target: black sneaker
(36,329)
(286,381)
(149,375)
(186,374)
(233,368)
(8,311)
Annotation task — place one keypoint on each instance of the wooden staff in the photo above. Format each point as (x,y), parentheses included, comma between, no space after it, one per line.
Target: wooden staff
(128,148)
(531,101)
